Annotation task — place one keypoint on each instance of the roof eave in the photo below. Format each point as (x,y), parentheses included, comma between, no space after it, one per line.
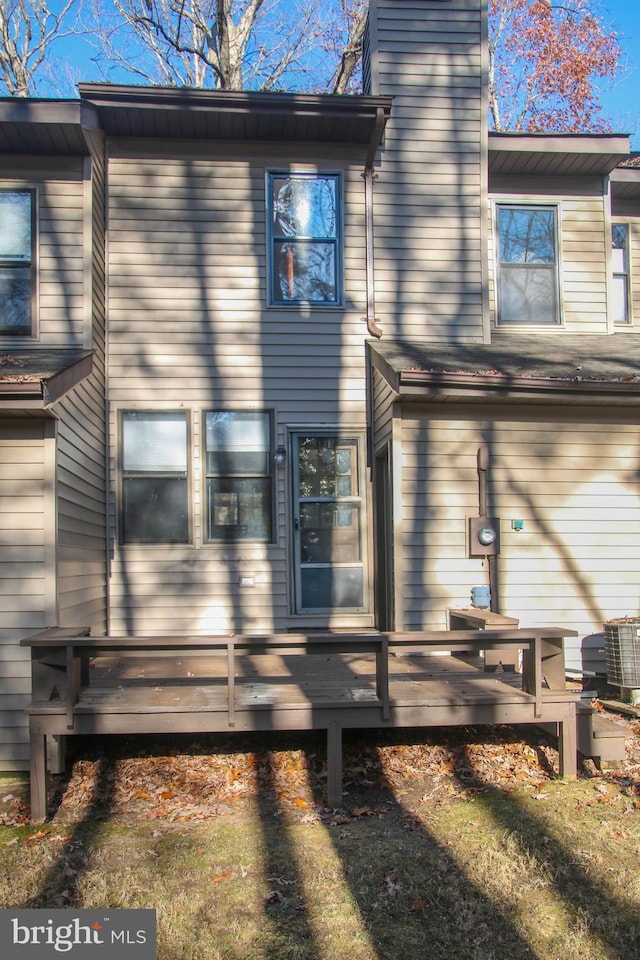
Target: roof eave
(171,112)
(600,154)
(40,392)
(422,385)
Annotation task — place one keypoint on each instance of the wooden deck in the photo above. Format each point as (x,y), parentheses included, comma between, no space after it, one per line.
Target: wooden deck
(115,685)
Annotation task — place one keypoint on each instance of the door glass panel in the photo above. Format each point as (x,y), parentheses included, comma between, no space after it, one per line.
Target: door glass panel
(327,467)
(332,587)
(328,533)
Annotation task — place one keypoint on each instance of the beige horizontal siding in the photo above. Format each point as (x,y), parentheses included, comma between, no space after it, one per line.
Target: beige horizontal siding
(429,221)
(190,328)
(81,454)
(574,564)
(383,411)
(23,573)
(158,590)
(60,246)
(634,257)
(583,250)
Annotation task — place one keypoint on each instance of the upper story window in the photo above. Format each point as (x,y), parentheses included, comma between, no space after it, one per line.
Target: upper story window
(16,262)
(238,465)
(155,494)
(620,258)
(527,265)
(304,239)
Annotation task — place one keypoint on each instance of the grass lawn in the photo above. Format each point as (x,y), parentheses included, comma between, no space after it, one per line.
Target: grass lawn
(448,845)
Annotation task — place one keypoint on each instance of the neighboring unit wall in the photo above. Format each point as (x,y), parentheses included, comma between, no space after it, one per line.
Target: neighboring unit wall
(634,266)
(60,263)
(570,476)
(26,570)
(190,329)
(583,241)
(628,211)
(383,411)
(429,215)
(81,473)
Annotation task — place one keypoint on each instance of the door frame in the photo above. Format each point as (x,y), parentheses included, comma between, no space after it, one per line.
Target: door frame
(383,548)
(330,616)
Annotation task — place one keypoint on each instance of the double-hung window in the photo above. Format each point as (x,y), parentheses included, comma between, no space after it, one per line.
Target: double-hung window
(305,251)
(527,265)
(155,494)
(16,262)
(238,465)
(620,257)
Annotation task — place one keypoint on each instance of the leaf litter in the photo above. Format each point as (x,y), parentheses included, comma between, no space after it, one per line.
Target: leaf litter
(203,779)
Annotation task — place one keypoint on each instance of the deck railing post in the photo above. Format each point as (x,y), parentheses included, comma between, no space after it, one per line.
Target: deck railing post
(231,682)
(74,670)
(382,676)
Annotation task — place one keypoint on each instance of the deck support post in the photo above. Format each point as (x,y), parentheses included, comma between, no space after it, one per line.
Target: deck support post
(38,775)
(568,745)
(334,765)
(56,753)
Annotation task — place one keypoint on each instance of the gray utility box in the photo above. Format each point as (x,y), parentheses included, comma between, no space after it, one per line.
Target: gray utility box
(622,645)
(593,655)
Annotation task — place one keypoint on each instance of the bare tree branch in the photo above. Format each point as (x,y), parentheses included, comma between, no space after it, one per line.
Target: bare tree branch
(27,30)
(228,44)
(235,44)
(351,56)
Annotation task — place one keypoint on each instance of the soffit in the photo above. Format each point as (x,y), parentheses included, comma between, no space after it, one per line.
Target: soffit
(172,113)
(625,181)
(45,127)
(577,155)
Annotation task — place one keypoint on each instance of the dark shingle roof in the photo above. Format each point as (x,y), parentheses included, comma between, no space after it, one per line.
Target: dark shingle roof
(550,365)
(41,374)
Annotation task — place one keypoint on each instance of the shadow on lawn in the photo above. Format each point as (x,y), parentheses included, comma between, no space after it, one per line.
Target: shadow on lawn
(443,912)
(408,893)
(59,886)
(600,914)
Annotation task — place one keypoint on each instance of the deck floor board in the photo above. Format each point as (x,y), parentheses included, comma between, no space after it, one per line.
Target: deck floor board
(199,683)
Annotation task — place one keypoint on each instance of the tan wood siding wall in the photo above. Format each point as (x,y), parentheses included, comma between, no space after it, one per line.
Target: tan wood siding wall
(572,480)
(383,411)
(60,246)
(81,509)
(429,217)
(582,244)
(190,328)
(626,212)
(634,266)
(24,586)
(81,473)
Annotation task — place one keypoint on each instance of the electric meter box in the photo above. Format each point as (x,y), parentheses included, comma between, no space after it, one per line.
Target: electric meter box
(484,536)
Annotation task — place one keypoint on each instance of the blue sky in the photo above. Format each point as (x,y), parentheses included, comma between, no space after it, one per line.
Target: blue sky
(621,99)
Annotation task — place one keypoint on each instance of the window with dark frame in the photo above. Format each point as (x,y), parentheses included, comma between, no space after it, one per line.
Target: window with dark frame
(620,258)
(305,238)
(527,265)
(239,475)
(155,492)
(17,237)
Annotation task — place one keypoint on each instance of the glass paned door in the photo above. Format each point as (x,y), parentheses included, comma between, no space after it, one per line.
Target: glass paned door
(329,571)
